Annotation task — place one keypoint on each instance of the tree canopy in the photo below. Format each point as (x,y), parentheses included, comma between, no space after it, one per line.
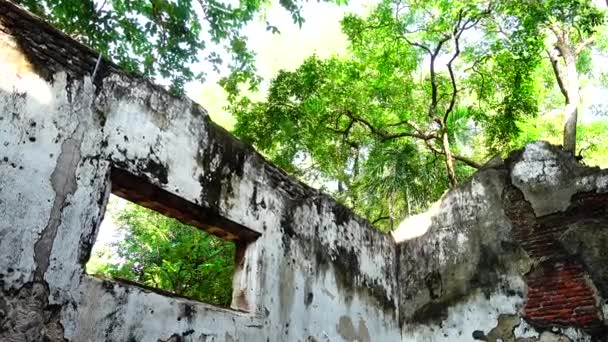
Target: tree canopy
(428,91)
(381,121)
(566,30)
(163,38)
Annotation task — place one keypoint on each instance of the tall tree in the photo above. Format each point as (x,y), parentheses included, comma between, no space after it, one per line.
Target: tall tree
(163,38)
(568,29)
(384,126)
(438,31)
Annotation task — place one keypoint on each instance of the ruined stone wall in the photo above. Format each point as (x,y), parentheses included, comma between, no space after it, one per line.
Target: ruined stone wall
(316,272)
(517,253)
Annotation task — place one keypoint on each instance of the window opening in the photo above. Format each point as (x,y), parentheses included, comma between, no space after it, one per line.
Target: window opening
(152,238)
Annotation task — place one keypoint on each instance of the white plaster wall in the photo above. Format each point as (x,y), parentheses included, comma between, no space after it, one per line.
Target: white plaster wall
(316,273)
(290,297)
(548,181)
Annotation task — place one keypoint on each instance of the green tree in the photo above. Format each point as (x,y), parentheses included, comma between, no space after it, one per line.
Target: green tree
(164,253)
(390,126)
(592,137)
(164,37)
(567,30)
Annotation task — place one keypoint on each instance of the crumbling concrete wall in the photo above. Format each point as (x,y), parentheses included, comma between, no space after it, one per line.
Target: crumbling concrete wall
(316,272)
(517,253)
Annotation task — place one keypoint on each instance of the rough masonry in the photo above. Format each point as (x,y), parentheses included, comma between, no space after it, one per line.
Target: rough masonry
(517,253)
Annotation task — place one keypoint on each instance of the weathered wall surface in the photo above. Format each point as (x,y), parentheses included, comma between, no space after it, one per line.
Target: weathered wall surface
(517,253)
(316,272)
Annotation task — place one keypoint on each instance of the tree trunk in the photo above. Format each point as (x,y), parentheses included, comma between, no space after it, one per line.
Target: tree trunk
(391,215)
(408,202)
(355,177)
(571,84)
(449,159)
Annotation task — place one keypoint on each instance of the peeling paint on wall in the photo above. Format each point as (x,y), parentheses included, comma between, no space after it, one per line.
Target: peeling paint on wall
(517,253)
(508,235)
(55,156)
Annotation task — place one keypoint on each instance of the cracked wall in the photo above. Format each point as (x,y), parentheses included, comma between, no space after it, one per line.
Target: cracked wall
(516,253)
(62,132)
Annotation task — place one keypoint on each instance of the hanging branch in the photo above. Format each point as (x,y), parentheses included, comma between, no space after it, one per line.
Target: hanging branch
(385,137)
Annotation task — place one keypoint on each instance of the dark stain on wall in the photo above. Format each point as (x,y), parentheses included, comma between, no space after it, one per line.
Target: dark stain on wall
(26,315)
(231,154)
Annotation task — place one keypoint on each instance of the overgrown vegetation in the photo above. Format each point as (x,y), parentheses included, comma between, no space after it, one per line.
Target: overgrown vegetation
(163,253)
(163,38)
(428,92)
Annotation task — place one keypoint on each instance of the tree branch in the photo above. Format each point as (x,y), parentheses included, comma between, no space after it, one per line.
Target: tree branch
(462,159)
(416,44)
(386,136)
(459,29)
(457,33)
(434,97)
(380,219)
(409,134)
(583,45)
(557,70)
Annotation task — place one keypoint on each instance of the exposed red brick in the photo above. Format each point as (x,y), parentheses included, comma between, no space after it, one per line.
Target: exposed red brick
(558,291)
